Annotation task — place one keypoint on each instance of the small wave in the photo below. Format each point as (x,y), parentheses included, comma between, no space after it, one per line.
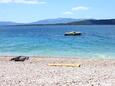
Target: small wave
(100,36)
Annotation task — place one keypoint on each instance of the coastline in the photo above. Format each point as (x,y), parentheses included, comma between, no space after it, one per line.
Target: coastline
(36,72)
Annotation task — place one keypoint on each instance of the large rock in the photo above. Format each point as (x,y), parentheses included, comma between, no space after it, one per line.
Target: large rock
(19,58)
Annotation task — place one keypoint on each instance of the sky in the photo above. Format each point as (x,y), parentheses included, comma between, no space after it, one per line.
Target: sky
(25,11)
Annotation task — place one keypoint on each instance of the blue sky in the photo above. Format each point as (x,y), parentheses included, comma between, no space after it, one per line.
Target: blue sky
(33,10)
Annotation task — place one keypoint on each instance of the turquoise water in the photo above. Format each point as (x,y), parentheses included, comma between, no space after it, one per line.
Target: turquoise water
(95,42)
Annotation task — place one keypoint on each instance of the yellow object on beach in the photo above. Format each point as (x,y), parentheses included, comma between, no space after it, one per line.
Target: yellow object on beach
(65,65)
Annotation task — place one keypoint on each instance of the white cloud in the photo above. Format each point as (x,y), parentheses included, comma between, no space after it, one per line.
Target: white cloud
(68,13)
(23,1)
(74,9)
(79,8)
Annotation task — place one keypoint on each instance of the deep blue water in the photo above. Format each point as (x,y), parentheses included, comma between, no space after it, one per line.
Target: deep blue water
(95,41)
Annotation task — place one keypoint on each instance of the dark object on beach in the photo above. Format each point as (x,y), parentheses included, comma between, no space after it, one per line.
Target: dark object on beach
(19,58)
(73,33)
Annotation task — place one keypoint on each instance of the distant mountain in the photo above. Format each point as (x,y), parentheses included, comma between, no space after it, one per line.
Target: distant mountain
(69,21)
(9,23)
(66,21)
(93,22)
(55,21)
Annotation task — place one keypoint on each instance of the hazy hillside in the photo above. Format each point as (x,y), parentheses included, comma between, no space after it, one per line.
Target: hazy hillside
(94,22)
(66,21)
(9,23)
(55,21)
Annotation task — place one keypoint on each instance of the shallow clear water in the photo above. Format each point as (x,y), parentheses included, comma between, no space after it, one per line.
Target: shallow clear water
(95,42)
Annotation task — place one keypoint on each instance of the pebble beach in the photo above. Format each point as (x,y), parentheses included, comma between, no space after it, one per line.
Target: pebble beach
(37,72)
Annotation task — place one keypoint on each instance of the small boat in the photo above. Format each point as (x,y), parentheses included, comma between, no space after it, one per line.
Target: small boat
(73,33)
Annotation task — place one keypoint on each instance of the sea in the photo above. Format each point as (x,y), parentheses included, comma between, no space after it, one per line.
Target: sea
(96,41)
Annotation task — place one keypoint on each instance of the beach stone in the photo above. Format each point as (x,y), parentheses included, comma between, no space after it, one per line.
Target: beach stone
(40,74)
